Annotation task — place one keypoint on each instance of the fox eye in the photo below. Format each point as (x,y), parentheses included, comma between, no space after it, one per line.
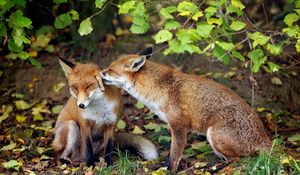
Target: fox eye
(88,86)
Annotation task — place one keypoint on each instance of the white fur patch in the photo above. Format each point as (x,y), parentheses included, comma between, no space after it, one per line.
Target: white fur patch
(100,109)
(149,152)
(153,106)
(209,139)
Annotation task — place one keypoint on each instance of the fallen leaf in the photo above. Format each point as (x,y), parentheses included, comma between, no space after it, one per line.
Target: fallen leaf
(56,109)
(9,147)
(7,110)
(57,87)
(137,130)
(160,171)
(276,81)
(21,118)
(22,105)
(11,164)
(121,124)
(294,138)
(153,126)
(139,105)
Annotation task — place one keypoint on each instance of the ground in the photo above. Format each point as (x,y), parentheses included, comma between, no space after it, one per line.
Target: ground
(31,100)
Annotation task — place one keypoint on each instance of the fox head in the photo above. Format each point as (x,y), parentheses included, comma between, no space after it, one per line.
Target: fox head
(84,81)
(121,71)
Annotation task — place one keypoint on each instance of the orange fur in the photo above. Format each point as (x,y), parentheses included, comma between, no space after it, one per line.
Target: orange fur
(190,103)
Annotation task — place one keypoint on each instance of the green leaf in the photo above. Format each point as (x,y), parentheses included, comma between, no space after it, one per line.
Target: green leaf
(163,36)
(225,45)
(221,55)
(12,46)
(17,19)
(237,25)
(140,25)
(137,130)
(59,1)
(166,12)
(57,87)
(85,27)
(297,46)
(171,25)
(74,15)
(19,36)
(273,67)
(238,55)
(153,126)
(99,3)
(292,31)
(11,164)
(233,9)
(124,8)
(56,109)
(62,21)
(21,118)
(7,110)
(36,63)
(258,38)
(22,105)
(186,8)
(238,4)
(2,30)
(274,49)
(121,124)
(290,19)
(197,15)
(258,58)
(217,21)
(188,36)
(204,29)
(139,105)
(9,147)
(23,55)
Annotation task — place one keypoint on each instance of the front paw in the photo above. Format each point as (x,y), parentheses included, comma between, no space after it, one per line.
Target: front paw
(168,163)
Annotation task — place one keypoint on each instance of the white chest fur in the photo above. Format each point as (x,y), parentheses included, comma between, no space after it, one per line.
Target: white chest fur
(100,110)
(152,105)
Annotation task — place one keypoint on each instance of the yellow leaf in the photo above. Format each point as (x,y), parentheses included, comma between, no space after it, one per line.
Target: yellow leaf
(286,160)
(33,53)
(21,104)
(137,130)
(160,171)
(21,118)
(184,13)
(57,87)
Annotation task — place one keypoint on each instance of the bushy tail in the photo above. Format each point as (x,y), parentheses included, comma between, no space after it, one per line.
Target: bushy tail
(137,144)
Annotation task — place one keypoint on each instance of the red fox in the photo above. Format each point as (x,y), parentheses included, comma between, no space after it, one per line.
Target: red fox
(190,103)
(86,124)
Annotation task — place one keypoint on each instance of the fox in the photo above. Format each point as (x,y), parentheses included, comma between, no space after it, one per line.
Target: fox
(86,124)
(190,103)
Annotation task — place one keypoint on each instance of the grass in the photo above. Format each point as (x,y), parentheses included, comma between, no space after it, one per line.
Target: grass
(275,162)
(124,166)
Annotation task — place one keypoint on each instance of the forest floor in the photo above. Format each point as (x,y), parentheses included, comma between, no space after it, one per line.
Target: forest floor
(32,98)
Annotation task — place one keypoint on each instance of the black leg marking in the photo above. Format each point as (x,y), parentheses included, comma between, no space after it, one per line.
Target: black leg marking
(89,155)
(108,152)
(168,163)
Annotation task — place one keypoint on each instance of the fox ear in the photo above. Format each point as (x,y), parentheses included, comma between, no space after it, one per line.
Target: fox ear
(67,66)
(147,52)
(100,83)
(137,63)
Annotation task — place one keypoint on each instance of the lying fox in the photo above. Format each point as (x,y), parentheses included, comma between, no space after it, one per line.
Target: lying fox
(190,103)
(90,117)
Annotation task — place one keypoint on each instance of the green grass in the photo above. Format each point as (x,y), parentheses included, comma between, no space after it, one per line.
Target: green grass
(124,166)
(275,162)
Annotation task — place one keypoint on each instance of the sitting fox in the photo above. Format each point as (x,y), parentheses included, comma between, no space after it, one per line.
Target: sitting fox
(86,124)
(190,103)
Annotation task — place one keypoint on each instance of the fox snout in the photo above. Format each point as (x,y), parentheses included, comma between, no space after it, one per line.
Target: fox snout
(81,105)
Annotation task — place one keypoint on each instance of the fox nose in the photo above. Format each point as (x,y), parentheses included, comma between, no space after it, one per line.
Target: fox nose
(103,73)
(81,106)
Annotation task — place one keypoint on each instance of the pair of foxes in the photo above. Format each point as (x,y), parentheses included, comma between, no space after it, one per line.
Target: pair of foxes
(186,102)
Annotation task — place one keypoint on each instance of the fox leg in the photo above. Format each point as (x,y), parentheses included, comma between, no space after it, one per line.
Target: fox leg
(86,144)
(179,138)
(224,142)
(108,139)
(71,131)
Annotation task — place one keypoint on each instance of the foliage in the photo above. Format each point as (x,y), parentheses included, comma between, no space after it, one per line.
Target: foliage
(220,27)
